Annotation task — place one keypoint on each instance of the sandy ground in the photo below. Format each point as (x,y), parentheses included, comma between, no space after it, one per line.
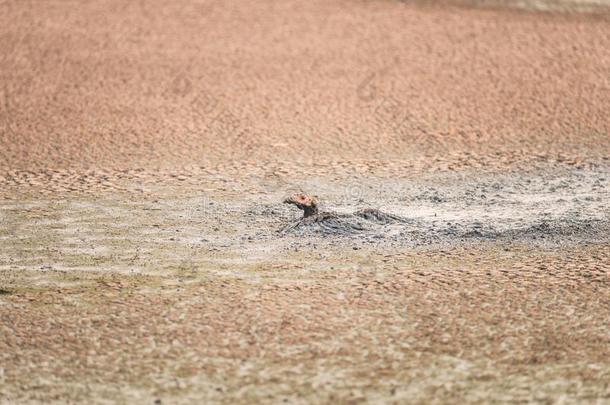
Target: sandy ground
(145,149)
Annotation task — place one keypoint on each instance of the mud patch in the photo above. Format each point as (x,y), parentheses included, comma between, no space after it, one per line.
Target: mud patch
(333,224)
(552,206)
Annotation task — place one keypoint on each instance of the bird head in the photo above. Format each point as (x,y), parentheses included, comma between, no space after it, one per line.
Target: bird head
(309,204)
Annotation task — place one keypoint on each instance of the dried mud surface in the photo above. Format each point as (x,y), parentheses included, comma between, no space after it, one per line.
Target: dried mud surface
(146,149)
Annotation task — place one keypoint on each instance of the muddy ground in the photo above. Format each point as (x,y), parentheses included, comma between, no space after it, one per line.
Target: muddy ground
(146,149)
(495,287)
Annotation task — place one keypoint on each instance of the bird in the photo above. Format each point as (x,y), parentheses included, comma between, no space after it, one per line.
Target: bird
(309,204)
(332,222)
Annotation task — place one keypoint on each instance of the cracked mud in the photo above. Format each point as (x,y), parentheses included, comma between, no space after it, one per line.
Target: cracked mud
(458,250)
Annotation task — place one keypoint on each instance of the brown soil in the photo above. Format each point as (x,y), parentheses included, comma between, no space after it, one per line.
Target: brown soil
(123,85)
(146,146)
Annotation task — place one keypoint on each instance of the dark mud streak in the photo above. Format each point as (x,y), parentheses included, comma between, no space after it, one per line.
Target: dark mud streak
(552,206)
(330,223)
(368,222)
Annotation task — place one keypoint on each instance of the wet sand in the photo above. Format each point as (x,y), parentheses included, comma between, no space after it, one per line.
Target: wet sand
(146,148)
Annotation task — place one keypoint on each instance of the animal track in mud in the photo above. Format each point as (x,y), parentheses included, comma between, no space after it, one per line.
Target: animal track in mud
(331,223)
